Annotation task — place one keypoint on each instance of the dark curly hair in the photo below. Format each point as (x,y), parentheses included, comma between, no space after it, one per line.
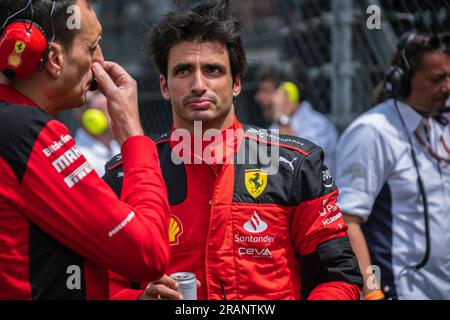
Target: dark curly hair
(208,21)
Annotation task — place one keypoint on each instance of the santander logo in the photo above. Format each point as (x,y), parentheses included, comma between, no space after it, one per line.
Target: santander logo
(256,224)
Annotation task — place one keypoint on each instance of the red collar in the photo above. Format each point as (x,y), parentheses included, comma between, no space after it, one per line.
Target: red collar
(231,139)
(11,95)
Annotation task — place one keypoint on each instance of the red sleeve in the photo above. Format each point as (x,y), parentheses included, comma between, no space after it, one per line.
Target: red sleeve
(335,291)
(317,220)
(62,195)
(328,265)
(120,288)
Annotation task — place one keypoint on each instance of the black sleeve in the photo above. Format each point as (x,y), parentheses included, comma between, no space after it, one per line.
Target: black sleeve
(333,260)
(114,174)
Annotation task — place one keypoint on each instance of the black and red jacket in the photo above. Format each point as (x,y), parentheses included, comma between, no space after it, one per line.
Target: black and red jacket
(61,226)
(249,234)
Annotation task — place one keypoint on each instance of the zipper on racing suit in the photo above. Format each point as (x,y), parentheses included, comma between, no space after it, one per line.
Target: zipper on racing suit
(222,286)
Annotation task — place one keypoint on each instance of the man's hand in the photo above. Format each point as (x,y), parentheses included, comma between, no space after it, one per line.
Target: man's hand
(120,90)
(164,288)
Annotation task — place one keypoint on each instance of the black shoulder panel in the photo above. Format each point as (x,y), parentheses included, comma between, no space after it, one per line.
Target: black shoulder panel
(312,178)
(160,137)
(174,174)
(303,146)
(114,174)
(20,126)
(293,175)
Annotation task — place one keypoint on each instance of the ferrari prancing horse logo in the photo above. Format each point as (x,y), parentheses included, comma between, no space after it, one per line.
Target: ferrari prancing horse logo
(256,181)
(20,47)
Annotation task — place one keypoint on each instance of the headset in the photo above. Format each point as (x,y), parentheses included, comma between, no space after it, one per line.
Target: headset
(292,91)
(397,84)
(24,46)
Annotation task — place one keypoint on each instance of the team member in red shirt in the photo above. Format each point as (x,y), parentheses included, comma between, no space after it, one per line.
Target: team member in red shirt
(61,226)
(244,232)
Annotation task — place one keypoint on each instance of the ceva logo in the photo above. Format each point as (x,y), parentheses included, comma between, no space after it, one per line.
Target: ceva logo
(256,224)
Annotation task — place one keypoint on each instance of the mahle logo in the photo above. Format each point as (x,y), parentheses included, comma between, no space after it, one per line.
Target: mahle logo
(175,230)
(255,224)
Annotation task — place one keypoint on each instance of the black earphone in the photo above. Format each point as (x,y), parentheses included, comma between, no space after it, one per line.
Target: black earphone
(397,77)
(397,84)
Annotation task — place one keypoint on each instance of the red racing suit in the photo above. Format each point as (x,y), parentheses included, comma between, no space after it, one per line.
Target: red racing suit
(61,225)
(249,234)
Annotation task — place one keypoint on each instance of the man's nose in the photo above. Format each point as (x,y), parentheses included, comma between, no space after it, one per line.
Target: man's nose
(98,56)
(198,85)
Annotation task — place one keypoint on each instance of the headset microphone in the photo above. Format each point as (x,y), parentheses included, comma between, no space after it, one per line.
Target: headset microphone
(94,85)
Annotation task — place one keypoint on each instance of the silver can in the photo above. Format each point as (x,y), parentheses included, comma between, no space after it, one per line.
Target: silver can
(187,284)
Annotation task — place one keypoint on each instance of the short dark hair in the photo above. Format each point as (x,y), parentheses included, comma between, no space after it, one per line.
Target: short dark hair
(296,73)
(419,46)
(208,21)
(270,73)
(41,15)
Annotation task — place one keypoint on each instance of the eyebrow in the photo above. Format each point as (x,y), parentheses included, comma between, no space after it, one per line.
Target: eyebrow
(216,65)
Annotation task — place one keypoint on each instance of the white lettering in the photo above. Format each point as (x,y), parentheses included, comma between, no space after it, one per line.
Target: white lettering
(255,253)
(74,280)
(122,224)
(74,21)
(374,21)
(55,146)
(331,219)
(78,174)
(253,239)
(374,280)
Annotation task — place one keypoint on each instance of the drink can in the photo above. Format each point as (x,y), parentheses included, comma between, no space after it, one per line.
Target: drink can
(187,284)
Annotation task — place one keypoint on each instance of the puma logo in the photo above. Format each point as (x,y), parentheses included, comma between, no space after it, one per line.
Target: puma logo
(290,163)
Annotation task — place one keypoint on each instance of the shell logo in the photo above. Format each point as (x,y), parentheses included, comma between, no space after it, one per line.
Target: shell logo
(175,230)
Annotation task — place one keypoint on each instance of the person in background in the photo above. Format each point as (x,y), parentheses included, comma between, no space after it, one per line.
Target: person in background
(393,172)
(284,102)
(95,137)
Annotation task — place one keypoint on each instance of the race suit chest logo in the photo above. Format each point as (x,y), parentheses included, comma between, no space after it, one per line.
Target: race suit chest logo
(256,181)
(175,230)
(327,179)
(68,160)
(255,225)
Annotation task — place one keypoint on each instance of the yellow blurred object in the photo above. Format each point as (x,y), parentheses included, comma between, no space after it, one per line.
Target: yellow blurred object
(292,91)
(94,121)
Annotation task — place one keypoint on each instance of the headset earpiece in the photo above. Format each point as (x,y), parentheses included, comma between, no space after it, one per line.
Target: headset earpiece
(397,80)
(23,49)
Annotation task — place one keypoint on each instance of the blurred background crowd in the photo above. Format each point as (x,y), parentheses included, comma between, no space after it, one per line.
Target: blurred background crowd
(341,58)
